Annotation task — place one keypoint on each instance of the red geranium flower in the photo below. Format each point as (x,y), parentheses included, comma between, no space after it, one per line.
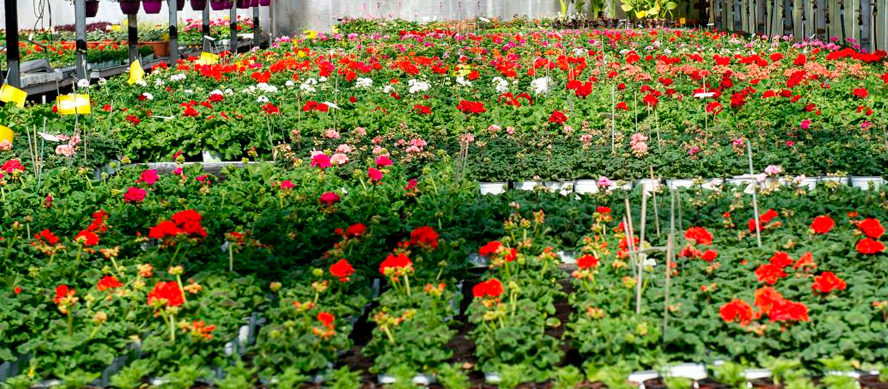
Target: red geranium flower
(425,237)
(326,318)
(828,282)
(322,161)
(557,117)
(12,166)
(490,248)
(148,176)
(355,230)
(342,269)
(61,292)
(108,282)
(471,107)
(805,262)
(48,237)
(785,310)
(781,259)
(766,297)
(763,220)
(383,161)
(271,109)
(87,238)
(871,228)
(329,198)
(489,288)
(587,262)
(166,294)
(769,273)
(396,263)
(374,174)
(699,235)
(822,224)
(737,311)
(861,93)
(189,221)
(709,255)
(869,246)
(134,195)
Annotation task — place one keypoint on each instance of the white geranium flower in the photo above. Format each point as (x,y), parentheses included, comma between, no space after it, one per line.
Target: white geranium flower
(540,85)
(158,83)
(148,96)
(362,83)
(102,81)
(418,86)
(388,89)
(502,86)
(289,84)
(83,84)
(262,100)
(463,82)
(216,92)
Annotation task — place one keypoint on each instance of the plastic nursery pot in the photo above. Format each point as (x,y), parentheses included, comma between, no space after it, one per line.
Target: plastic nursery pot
(198,5)
(130,7)
(492,187)
(217,5)
(709,383)
(180,5)
(872,381)
(152,7)
(655,383)
(764,383)
(92,8)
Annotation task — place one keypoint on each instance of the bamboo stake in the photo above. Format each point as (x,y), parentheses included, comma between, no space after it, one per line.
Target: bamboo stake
(656,204)
(755,206)
(613,122)
(640,260)
(670,251)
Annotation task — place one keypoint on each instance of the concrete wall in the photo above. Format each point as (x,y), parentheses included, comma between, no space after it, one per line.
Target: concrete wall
(293,16)
(61,12)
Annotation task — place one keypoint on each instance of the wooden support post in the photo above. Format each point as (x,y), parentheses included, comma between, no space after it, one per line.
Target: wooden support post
(787,17)
(866,25)
(232,25)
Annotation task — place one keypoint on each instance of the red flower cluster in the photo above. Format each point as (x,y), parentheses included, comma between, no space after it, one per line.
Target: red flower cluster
(374,174)
(315,106)
(329,198)
(737,311)
(397,264)
(108,282)
(587,262)
(495,247)
(557,117)
(62,292)
(763,220)
(47,237)
(781,259)
(873,230)
(822,224)
(769,273)
(326,318)
(185,222)
(425,237)
(87,238)
(471,107)
(12,166)
(166,294)
(828,282)
(321,161)
(353,231)
(772,303)
(699,235)
(342,269)
(490,288)
(134,195)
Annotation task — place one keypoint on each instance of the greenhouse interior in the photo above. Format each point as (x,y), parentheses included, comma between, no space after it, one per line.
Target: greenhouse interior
(539,194)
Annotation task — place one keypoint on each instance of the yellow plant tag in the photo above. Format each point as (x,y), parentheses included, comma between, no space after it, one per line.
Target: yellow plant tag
(73,104)
(207,59)
(11,94)
(6,136)
(136,73)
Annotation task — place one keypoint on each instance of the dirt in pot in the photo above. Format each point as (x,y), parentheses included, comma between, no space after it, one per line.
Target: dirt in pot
(709,383)
(765,383)
(872,381)
(656,383)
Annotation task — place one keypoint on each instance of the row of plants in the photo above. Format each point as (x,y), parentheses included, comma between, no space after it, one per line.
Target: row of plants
(168,268)
(517,105)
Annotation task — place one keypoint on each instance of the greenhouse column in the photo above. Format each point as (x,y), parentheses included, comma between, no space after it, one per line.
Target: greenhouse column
(174,33)
(257,32)
(80,44)
(232,24)
(12,44)
(133,37)
(205,26)
(866,20)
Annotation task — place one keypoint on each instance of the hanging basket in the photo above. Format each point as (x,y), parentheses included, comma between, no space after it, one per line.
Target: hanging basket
(152,7)
(265,3)
(92,8)
(130,7)
(221,5)
(244,4)
(180,5)
(198,5)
